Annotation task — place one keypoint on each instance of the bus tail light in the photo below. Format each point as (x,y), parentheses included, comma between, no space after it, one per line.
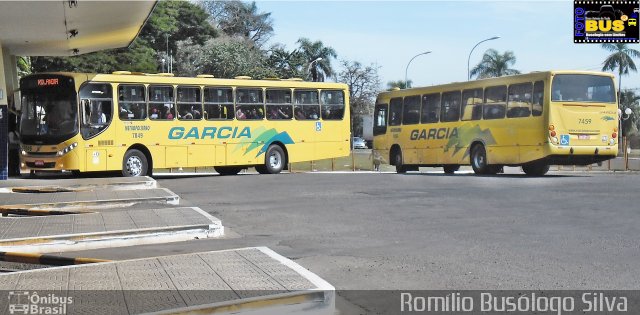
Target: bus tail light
(553,133)
(554,140)
(552,127)
(614,135)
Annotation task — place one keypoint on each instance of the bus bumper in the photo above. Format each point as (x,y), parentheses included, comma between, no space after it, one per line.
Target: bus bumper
(579,155)
(49,161)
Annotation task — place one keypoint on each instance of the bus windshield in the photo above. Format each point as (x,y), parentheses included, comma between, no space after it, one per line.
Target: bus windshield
(583,88)
(49,115)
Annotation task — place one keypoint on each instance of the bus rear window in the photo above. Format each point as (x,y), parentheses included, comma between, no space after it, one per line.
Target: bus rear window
(582,88)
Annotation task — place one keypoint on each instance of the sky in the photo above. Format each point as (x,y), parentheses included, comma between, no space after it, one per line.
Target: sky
(389,33)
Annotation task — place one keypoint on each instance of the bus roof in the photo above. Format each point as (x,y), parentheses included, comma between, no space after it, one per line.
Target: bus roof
(160,78)
(535,75)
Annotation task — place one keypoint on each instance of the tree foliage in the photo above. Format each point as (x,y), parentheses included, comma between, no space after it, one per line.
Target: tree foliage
(630,99)
(620,59)
(321,69)
(239,19)
(286,64)
(364,85)
(494,64)
(401,84)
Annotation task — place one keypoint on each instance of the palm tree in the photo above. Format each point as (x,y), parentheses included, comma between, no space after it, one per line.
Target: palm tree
(621,59)
(629,99)
(494,64)
(401,84)
(24,66)
(312,51)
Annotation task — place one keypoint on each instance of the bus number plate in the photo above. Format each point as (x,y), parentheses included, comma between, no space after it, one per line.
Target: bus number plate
(583,137)
(39,163)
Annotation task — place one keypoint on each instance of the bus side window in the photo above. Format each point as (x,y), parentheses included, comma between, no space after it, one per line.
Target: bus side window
(307,105)
(472,104)
(519,100)
(161,106)
(430,108)
(96,109)
(131,102)
(380,120)
(538,98)
(218,103)
(411,111)
(189,103)
(450,110)
(495,99)
(395,111)
(332,103)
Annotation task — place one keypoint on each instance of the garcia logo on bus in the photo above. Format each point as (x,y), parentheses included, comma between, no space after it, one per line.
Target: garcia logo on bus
(177,133)
(434,133)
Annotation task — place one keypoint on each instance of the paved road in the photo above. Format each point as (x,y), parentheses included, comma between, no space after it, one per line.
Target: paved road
(428,231)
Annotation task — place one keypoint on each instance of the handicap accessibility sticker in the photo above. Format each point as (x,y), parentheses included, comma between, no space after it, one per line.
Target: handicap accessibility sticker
(564,139)
(318,126)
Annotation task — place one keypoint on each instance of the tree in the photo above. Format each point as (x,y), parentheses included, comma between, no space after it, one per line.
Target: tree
(364,85)
(621,59)
(401,84)
(321,69)
(629,99)
(222,57)
(24,66)
(494,64)
(238,19)
(286,64)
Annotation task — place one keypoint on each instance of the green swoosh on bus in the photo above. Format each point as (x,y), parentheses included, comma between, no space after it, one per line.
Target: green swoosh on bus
(466,134)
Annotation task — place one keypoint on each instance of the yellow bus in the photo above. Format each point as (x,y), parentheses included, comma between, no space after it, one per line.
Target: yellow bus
(531,120)
(135,122)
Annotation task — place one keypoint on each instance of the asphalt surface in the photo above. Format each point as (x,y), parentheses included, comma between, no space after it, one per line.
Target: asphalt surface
(573,231)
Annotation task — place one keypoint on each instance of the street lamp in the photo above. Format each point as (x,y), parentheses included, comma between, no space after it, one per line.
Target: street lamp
(163,61)
(310,64)
(474,47)
(627,115)
(406,83)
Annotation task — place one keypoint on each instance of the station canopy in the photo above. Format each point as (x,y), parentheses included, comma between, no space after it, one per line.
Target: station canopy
(70,27)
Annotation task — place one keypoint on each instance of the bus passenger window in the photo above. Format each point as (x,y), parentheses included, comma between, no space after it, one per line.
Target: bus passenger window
(538,98)
(472,104)
(332,105)
(131,102)
(96,107)
(279,104)
(395,111)
(495,102)
(519,100)
(249,104)
(430,108)
(189,103)
(411,111)
(307,105)
(218,103)
(380,119)
(450,110)
(161,105)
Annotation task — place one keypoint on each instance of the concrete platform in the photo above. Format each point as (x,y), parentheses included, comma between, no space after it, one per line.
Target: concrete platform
(94,199)
(240,281)
(60,233)
(80,183)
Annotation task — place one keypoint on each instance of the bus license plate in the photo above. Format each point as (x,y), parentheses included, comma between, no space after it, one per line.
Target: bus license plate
(583,137)
(39,163)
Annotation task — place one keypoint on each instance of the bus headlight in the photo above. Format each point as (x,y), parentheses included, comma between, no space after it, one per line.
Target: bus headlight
(67,149)
(24,153)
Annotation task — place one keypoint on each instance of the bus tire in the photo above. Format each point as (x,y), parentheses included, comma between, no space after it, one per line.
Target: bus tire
(134,164)
(400,168)
(535,169)
(227,170)
(479,161)
(274,160)
(450,169)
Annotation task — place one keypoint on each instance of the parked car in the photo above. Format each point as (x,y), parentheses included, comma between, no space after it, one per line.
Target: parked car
(359,143)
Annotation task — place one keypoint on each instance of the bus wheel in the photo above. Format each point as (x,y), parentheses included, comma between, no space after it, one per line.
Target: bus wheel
(134,164)
(535,169)
(274,161)
(479,161)
(450,169)
(400,168)
(227,170)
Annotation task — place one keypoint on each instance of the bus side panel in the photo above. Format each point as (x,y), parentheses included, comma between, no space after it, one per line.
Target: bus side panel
(201,155)
(532,138)
(331,138)
(505,149)
(96,160)
(115,156)
(176,156)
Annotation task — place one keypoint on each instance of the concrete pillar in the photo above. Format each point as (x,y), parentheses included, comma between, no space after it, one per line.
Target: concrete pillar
(4,120)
